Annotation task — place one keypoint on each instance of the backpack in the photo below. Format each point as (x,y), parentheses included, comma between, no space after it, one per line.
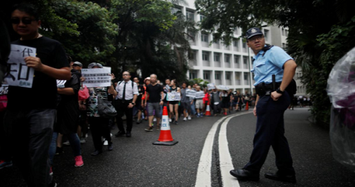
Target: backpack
(292,87)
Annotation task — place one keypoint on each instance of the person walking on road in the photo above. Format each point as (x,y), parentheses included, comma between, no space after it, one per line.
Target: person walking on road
(174,105)
(271,103)
(155,93)
(31,112)
(126,93)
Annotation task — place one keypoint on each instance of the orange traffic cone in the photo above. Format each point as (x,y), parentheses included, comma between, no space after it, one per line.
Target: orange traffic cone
(165,137)
(208,112)
(247,106)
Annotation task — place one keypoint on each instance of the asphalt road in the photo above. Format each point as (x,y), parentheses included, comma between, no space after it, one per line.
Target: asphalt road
(136,162)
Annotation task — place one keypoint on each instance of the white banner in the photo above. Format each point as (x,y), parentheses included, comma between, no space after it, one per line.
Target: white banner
(222,87)
(190,93)
(97,77)
(173,96)
(200,95)
(210,86)
(19,74)
(61,83)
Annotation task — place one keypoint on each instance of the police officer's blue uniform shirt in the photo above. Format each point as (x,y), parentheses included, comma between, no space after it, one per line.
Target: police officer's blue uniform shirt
(269,64)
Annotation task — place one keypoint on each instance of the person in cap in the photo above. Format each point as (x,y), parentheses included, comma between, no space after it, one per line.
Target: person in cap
(271,102)
(99,125)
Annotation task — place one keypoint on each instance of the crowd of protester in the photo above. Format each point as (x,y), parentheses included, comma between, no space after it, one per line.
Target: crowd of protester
(52,113)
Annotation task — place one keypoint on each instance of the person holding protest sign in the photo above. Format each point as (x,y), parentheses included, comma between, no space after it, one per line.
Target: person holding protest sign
(185,102)
(99,125)
(199,103)
(174,103)
(29,120)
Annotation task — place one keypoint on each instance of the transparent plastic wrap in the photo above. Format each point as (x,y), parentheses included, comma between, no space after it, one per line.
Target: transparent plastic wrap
(341,91)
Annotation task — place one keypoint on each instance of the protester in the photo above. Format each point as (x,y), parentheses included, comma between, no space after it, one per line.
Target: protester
(137,109)
(99,125)
(155,93)
(145,107)
(174,105)
(32,117)
(199,102)
(271,103)
(215,101)
(126,93)
(225,97)
(185,102)
(67,117)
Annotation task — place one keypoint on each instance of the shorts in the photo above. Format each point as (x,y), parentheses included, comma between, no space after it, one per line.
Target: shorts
(173,102)
(199,104)
(154,107)
(185,105)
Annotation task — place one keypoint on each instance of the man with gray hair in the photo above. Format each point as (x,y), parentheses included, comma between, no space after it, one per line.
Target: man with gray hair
(156,95)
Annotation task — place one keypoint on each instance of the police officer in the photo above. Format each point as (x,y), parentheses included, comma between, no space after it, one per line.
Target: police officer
(272,100)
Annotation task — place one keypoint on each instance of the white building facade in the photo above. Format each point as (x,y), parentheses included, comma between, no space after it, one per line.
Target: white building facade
(221,64)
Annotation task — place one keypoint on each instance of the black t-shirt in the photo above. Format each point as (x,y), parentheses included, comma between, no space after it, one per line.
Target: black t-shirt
(43,93)
(154,93)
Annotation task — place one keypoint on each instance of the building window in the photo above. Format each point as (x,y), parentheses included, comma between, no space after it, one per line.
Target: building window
(227,58)
(191,35)
(206,75)
(245,62)
(236,44)
(190,15)
(217,57)
(205,56)
(283,32)
(286,32)
(193,75)
(217,76)
(204,37)
(236,61)
(244,47)
(266,34)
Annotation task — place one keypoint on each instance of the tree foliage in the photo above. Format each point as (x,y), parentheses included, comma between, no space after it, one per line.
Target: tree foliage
(320,32)
(124,34)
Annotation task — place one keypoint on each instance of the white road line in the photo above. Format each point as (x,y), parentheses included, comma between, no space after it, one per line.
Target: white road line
(203,178)
(225,159)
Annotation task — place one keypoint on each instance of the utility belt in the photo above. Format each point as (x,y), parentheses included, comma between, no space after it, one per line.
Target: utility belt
(266,89)
(124,101)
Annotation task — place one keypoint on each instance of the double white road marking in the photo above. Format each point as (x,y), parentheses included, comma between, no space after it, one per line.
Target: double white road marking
(203,178)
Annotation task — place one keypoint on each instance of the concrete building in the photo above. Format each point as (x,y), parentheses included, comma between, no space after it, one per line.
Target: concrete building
(221,64)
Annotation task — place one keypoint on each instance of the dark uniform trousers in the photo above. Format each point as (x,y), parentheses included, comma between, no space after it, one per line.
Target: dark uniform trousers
(270,132)
(122,108)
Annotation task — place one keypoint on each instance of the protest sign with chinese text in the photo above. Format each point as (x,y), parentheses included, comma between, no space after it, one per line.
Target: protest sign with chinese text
(97,77)
(173,96)
(18,73)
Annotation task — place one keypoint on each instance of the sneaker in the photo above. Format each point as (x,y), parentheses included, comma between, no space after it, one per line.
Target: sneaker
(51,171)
(188,117)
(155,119)
(170,120)
(176,122)
(149,129)
(59,151)
(5,164)
(82,140)
(184,119)
(105,142)
(66,143)
(79,161)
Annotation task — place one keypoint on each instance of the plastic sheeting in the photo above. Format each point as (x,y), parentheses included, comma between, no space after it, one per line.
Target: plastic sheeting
(341,91)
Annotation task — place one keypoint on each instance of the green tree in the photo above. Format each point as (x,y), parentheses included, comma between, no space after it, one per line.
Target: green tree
(313,25)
